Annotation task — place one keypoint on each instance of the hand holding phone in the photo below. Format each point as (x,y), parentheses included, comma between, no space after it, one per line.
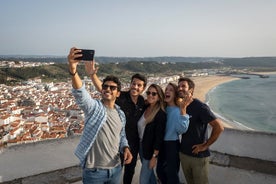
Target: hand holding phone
(185,100)
(87,55)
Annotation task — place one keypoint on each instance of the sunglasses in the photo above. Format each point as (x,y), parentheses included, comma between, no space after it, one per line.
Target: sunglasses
(151,93)
(112,88)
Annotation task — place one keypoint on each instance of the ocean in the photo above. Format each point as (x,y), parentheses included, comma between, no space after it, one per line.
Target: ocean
(247,103)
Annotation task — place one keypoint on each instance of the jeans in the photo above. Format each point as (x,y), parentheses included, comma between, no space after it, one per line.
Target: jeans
(169,163)
(147,175)
(173,161)
(102,176)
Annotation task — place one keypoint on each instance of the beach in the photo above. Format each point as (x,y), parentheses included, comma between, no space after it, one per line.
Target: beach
(204,84)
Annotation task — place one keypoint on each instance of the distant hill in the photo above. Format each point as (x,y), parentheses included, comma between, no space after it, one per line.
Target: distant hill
(262,62)
(102,59)
(158,59)
(256,61)
(56,59)
(125,67)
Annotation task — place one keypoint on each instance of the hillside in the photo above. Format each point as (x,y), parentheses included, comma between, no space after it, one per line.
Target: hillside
(59,70)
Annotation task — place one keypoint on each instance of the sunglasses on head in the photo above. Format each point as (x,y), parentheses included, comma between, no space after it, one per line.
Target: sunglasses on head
(112,88)
(151,93)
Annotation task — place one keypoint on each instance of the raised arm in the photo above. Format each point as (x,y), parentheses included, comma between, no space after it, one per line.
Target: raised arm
(91,70)
(73,63)
(184,102)
(183,121)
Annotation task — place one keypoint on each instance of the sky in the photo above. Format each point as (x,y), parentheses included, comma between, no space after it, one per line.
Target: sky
(141,28)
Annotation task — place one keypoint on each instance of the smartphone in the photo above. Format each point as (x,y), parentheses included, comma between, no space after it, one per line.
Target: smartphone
(87,55)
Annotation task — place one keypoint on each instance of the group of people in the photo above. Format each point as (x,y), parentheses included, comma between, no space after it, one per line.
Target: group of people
(165,129)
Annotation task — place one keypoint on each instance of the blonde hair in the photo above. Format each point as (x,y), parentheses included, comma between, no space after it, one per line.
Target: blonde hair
(159,104)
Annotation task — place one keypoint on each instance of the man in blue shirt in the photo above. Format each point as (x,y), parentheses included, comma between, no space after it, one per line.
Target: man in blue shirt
(194,148)
(104,128)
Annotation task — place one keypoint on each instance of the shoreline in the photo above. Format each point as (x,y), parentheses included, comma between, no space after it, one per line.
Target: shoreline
(266,73)
(204,84)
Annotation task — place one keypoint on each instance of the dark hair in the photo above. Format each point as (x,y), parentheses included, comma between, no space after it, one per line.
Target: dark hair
(140,77)
(113,79)
(188,80)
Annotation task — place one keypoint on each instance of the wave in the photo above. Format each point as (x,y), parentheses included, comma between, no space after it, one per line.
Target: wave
(233,123)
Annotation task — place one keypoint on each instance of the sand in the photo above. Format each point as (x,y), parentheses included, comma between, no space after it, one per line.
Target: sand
(203,84)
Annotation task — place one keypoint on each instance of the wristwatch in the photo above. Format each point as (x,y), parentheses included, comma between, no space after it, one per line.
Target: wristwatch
(72,74)
(154,155)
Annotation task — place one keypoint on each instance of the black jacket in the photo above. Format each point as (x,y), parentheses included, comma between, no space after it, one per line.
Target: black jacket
(153,137)
(133,113)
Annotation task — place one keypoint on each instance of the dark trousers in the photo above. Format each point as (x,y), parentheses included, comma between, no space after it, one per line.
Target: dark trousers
(169,163)
(129,169)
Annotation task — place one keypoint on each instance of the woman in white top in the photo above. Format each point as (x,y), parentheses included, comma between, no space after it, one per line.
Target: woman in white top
(151,129)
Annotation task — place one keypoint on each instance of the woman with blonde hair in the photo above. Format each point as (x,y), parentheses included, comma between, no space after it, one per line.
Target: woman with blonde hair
(151,129)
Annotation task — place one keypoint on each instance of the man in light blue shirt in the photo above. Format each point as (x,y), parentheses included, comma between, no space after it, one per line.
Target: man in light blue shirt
(104,128)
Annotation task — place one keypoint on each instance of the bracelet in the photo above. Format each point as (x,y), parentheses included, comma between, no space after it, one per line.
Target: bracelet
(73,74)
(125,148)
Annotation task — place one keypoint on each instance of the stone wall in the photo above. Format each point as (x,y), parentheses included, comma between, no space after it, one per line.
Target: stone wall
(237,157)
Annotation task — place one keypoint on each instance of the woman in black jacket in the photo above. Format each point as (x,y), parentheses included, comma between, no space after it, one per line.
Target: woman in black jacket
(151,128)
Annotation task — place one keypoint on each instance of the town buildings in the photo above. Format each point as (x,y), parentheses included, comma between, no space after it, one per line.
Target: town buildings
(35,111)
